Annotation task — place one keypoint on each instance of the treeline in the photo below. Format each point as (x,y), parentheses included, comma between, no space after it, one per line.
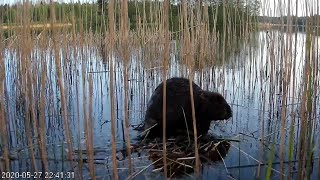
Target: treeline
(93,17)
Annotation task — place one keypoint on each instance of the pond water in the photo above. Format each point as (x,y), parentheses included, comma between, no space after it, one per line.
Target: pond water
(250,80)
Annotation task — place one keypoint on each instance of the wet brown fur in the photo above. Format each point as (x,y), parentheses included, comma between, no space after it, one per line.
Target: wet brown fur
(208,106)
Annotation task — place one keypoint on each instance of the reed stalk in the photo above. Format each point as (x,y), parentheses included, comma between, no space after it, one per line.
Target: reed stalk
(89,132)
(25,76)
(75,51)
(42,118)
(3,125)
(111,57)
(166,55)
(61,85)
(125,54)
(304,110)
(317,68)
(285,87)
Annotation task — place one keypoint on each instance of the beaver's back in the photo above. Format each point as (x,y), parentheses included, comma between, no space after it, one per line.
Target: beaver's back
(178,109)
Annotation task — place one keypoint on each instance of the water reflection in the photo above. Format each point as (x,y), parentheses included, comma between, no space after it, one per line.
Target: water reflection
(251,81)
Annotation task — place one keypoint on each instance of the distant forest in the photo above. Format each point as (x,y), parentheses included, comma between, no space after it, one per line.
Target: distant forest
(93,17)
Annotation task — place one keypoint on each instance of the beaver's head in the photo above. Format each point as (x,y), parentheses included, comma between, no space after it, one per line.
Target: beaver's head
(214,106)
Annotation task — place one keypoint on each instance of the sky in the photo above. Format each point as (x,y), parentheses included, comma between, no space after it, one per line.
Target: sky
(269,7)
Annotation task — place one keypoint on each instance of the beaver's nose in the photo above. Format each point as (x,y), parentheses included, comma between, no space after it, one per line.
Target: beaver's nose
(228,111)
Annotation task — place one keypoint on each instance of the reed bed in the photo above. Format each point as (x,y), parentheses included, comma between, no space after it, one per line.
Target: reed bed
(70,96)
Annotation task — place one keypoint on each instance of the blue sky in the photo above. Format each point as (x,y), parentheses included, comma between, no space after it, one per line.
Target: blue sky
(269,7)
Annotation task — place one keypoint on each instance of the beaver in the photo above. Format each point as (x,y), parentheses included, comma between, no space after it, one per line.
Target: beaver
(208,106)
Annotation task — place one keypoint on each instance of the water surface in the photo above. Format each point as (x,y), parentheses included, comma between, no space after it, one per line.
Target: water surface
(250,79)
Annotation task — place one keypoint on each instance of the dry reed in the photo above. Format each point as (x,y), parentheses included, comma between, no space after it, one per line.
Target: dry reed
(111,57)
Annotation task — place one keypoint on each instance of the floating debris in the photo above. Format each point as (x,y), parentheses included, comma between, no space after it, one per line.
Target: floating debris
(180,153)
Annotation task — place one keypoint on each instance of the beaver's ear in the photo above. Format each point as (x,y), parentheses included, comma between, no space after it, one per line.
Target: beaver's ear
(203,96)
(219,98)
